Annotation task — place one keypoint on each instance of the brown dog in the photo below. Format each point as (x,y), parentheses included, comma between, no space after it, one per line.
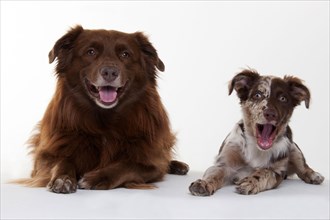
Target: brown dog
(259,152)
(106,126)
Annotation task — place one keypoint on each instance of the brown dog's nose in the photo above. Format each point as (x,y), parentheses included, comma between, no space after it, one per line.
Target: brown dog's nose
(109,73)
(270,114)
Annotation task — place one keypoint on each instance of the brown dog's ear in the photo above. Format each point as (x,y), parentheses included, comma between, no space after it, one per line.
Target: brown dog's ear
(62,48)
(298,91)
(149,51)
(242,83)
(160,65)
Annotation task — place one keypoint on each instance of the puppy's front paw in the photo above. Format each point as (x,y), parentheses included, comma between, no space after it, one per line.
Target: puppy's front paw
(63,184)
(248,185)
(312,177)
(201,188)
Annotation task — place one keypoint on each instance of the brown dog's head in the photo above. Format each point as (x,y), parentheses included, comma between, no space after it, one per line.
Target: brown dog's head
(103,66)
(268,103)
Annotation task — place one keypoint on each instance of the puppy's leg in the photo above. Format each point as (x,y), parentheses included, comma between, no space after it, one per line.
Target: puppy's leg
(260,180)
(212,180)
(264,178)
(298,165)
(63,178)
(228,162)
(178,167)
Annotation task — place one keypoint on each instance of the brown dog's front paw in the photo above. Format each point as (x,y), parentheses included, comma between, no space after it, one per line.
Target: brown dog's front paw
(178,167)
(248,186)
(201,188)
(63,184)
(93,180)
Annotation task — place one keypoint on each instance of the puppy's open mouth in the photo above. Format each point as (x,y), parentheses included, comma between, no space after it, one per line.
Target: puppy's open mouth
(265,135)
(106,95)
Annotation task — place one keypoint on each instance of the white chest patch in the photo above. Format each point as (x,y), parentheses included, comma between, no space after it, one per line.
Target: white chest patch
(258,158)
(253,155)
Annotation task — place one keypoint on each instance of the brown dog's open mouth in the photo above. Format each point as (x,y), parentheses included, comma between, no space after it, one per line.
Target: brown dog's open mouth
(106,95)
(265,135)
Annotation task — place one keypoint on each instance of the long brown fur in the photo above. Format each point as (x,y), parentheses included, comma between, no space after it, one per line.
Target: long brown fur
(81,144)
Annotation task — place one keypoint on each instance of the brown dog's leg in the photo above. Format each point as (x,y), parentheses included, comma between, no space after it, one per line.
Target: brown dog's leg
(63,178)
(178,168)
(212,180)
(121,175)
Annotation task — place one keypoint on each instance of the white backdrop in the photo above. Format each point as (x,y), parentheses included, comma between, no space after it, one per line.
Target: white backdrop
(203,44)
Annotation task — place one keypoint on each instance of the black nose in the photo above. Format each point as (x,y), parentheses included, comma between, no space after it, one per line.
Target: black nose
(109,73)
(270,114)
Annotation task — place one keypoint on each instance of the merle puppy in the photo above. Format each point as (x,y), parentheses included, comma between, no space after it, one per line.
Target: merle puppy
(259,152)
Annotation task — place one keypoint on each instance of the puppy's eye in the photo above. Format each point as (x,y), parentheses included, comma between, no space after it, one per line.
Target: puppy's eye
(91,52)
(282,99)
(124,54)
(258,95)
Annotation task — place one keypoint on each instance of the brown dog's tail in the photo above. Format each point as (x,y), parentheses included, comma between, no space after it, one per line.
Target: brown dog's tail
(31,182)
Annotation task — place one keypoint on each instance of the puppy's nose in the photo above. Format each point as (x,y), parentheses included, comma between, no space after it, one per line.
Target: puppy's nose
(109,73)
(270,114)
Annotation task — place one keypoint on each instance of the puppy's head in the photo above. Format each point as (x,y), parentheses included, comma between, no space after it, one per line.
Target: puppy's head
(268,103)
(105,67)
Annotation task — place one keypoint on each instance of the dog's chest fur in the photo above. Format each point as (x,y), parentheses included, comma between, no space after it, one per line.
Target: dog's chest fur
(247,146)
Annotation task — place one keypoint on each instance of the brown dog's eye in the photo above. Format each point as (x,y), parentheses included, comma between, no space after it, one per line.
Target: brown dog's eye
(124,54)
(91,52)
(282,99)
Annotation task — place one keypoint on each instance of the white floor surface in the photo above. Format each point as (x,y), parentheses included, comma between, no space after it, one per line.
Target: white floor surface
(293,199)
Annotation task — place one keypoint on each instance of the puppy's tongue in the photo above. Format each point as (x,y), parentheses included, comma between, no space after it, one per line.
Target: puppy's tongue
(107,94)
(264,140)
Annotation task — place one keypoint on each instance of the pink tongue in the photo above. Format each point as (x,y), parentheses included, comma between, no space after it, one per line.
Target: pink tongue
(265,141)
(108,94)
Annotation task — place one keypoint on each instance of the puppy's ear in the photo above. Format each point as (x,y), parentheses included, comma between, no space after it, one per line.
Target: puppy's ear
(242,83)
(62,48)
(298,91)
(149,52)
